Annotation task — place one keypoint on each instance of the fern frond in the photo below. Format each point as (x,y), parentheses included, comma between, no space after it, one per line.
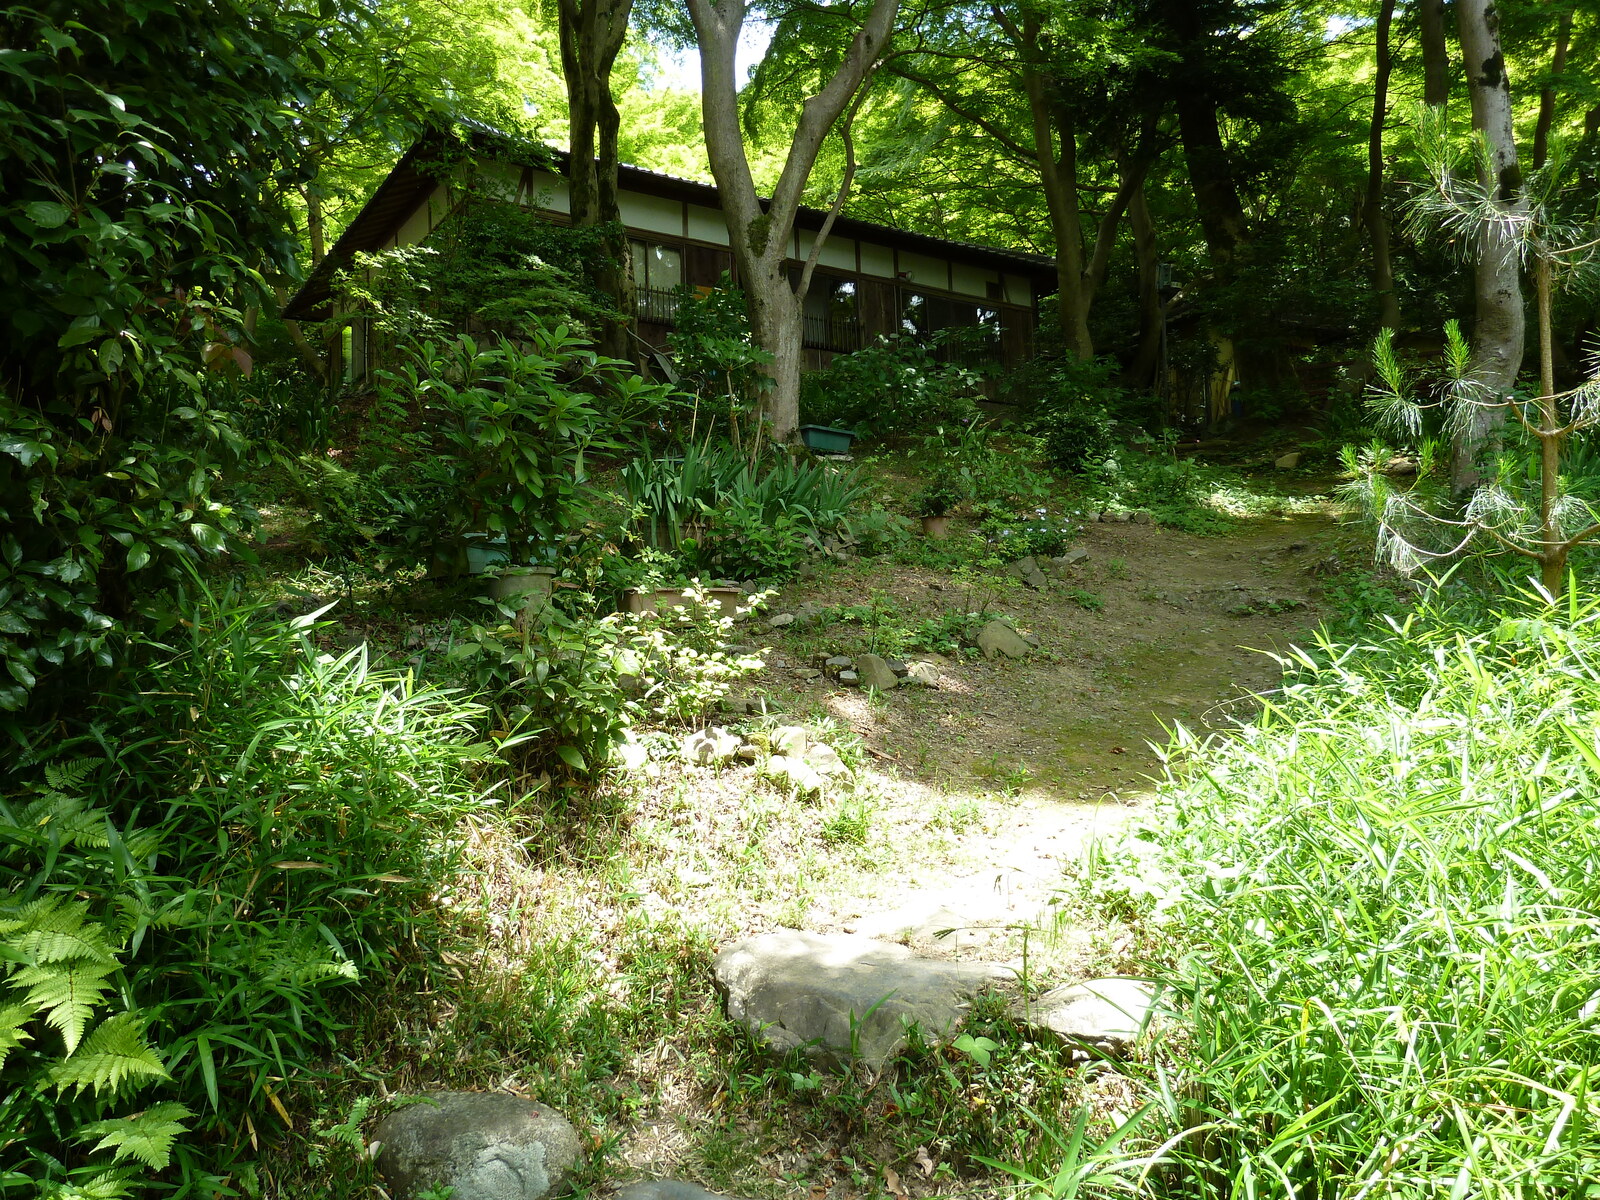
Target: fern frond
(69,776)
(66,994)
(114,1055)
(52,931)
(108,1185)
(12,1034)
(146,1136)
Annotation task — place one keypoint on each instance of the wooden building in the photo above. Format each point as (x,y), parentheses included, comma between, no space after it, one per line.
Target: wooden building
(870,279)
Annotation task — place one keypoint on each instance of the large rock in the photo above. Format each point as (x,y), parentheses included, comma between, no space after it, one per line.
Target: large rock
(710,746)
(1106,1014)
(997,638)
(1287,462)
(875,672)
(842,998)
(922,674)
(485,1145)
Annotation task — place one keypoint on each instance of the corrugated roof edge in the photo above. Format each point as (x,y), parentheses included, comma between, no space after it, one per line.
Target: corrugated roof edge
(398,195)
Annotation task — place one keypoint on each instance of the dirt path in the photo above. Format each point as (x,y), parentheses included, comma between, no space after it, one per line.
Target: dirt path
(1053,751)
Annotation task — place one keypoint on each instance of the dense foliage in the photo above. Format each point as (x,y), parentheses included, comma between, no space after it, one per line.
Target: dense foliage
(1371,912)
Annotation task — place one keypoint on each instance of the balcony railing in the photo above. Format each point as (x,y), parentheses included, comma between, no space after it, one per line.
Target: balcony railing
(832,333)
(656,306)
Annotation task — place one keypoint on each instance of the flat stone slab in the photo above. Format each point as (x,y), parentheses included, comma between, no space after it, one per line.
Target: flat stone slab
(667,1189)
(485,1145)
(842,997)
(1106,1014)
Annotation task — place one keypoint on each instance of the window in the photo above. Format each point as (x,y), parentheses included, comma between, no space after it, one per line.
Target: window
(832,314)
(657,275)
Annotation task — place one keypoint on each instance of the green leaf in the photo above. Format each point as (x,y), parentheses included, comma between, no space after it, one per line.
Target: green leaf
(47,214)
(207,537)
(67,993)
(112,1057)
(146,1136)
(24,450)
(570,756)
(12,1034)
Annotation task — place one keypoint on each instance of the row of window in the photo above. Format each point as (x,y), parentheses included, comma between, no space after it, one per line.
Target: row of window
(832,311)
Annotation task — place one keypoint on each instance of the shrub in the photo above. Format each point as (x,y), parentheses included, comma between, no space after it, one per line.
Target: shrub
(1376,915)
(890,387)
(733,517)
(263,826)
(568,689)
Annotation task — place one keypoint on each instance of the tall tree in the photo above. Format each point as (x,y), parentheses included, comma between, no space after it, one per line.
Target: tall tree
(1039,79)
(762,236)
(1372,210)
(1435,52)
(592,33)
(1500,326)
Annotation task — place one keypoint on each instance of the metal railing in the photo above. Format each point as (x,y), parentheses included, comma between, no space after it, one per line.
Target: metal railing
(658,306)
(832,333)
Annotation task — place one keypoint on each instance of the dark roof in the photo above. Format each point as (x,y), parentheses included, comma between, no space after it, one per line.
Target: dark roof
(410,183)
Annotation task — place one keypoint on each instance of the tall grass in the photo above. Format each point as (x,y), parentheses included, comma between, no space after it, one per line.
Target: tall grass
(1381,919)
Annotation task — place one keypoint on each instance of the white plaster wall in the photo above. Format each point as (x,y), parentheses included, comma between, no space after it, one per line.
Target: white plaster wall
(836,251)
(707,225)
(924,271)
(549,191)
(652,213)
(973,281)
(877,260)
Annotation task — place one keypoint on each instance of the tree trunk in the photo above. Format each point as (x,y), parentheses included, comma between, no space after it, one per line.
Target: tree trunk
(1435,53)
(1547,94)
(591,34)
(1216,199)
(759,237)
(1142,373)
(1499,330)
(1372,211)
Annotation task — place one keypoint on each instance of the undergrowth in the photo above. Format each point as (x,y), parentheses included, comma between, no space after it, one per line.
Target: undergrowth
(1374,913)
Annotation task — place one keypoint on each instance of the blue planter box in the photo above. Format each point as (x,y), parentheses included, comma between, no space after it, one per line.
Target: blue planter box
(828,441)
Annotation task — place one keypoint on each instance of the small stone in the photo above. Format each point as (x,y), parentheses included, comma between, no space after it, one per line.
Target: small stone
(748,752)
(1072,557)
(710,746)
(780,621)
(789,771)
(808,613)
(1143,518)
(631,756)
(1287,462)
(824,759)
(837,663)
(787,739)
(997,638)
(485,1145)
(898,667)
(875,672)
(1027,570)
(1107,1014)
(922,674)
(744,705)
(806,673)
(849,679)
(1116,518)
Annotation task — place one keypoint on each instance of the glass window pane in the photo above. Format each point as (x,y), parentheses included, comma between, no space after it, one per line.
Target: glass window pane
(666,267)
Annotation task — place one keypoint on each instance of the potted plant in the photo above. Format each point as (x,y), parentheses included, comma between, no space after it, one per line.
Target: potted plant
(516,424)
(944,490)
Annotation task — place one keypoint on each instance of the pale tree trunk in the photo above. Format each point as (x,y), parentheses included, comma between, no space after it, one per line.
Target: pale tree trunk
(1499,331)
(761,239)
(592,33)
(1372,210)
(1435,52)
